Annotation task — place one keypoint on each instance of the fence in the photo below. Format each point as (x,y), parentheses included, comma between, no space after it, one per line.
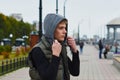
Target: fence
(12,64)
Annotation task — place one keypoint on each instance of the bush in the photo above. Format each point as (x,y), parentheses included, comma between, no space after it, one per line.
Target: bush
(17,53)
(23,50)
(5,55)
(8,48)
(27,49)
(2,49)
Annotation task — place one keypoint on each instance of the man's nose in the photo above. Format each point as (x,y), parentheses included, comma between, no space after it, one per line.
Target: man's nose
(65,31)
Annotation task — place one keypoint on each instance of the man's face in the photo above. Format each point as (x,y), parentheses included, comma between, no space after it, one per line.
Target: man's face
(60,31)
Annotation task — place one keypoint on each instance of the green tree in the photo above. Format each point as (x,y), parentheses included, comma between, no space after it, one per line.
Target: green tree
(9,25)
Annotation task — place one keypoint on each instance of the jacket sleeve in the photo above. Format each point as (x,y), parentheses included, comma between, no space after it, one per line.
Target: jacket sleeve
(47,70)
(74,65)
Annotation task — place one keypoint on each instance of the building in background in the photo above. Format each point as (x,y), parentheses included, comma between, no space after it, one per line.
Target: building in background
(17,16)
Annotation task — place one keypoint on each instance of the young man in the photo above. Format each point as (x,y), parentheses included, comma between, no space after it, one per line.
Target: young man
(48,59)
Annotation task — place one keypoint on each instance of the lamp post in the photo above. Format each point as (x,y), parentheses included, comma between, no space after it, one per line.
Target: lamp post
(25,37)
(40,19)
(79,30)
(11,35)
(78,34)
(56,6)
(64,7)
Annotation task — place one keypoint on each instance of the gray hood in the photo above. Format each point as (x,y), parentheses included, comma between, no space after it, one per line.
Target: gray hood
(50,23)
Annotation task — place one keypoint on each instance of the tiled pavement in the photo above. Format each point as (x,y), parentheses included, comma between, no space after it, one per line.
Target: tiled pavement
(92,68)
(20,74)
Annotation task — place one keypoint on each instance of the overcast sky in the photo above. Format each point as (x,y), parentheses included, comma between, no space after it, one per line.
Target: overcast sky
(91,15)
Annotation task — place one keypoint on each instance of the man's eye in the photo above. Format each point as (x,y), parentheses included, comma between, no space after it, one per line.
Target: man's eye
(60,28)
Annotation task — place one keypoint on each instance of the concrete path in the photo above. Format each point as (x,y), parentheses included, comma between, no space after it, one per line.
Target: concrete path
(92,68)
(20,74)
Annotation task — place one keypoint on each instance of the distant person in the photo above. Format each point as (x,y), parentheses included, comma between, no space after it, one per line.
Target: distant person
(116,47)
(100,44)
(81,44)
(48,59)
(107,48)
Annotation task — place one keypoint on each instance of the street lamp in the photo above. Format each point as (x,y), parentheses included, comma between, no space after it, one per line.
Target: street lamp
(56,6)
(78,34)
(11,35)
(79,30)
(25,37)
(64,7)
(40,19)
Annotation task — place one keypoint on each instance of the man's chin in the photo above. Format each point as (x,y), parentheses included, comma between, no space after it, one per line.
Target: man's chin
(61,40)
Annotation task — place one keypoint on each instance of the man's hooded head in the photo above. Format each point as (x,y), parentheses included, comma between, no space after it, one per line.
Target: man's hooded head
(50,23)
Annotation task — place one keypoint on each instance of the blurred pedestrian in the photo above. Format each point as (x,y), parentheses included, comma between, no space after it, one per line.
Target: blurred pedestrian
(81,44)
(100,44)
(116,47)
(107,48)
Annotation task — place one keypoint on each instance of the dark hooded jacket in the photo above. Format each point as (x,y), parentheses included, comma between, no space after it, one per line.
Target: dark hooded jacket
(48,66)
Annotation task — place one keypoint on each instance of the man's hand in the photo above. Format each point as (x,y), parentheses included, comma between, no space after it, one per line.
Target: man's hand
(71,43)
(56,48)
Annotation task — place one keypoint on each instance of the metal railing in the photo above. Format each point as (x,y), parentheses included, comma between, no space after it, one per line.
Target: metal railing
(9,65)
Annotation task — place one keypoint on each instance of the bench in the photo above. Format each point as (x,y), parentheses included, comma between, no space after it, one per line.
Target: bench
(116,62)
(110,55)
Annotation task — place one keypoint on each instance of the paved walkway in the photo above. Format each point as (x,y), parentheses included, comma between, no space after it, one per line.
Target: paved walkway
(20,74)
(92,68)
